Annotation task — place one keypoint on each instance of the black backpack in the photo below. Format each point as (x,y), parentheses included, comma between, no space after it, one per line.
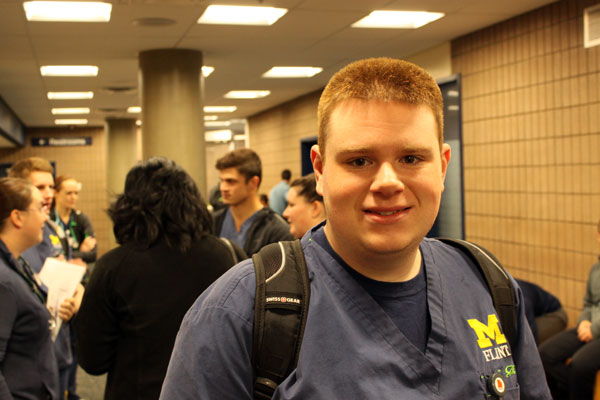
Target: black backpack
(283,295)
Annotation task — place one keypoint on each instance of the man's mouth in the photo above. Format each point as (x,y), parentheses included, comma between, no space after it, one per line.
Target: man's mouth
(387,213)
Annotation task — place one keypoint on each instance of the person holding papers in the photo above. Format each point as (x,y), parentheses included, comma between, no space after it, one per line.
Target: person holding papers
(139,292)
(28,368)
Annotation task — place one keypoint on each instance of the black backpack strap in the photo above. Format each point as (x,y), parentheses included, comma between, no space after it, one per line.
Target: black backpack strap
(280,312)
(499,284)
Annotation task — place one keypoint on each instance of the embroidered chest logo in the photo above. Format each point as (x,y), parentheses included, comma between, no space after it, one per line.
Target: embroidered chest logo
(488,333)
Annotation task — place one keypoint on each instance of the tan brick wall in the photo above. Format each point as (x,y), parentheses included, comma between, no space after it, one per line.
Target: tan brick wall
(275,135)
(531,135)
(86,163)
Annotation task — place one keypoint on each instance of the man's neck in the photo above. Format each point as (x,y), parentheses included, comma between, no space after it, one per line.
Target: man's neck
(12,243)
(399,266)
(242,211)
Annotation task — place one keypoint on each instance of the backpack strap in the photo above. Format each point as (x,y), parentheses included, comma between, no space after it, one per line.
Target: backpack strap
(280,312)
(498,282)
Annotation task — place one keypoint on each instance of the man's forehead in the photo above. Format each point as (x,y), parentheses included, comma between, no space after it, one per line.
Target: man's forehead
(41,178)
(229,173)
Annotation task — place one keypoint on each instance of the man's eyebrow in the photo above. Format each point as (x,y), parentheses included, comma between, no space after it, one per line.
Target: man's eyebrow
(403,150)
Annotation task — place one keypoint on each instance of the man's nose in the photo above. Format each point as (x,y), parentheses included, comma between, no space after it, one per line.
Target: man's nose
(387,180)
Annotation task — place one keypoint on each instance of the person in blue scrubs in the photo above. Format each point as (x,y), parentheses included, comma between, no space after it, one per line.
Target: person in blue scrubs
(391,314)
(28,368)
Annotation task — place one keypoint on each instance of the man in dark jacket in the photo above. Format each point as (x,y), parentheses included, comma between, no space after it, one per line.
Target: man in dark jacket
(245,221)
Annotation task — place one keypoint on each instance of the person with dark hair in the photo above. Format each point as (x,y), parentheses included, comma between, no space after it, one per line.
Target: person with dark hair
(139,292)
(28,368)
(264,199)
(76,225)
(245,221)
(304,205)
(391,314)
(277,195)
(575,379)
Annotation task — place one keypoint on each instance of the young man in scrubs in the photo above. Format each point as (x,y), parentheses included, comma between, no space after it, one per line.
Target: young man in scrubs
(392,314)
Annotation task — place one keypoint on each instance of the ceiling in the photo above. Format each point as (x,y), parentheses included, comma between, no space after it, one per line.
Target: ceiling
(312,33)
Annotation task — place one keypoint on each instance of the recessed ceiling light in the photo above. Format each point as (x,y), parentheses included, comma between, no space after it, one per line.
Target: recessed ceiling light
(397,19)
(206,70)
(67,111)
(247,94)
(219,109)
(292,72)
(138,122)
(134,109)
(213,124)
(70,121)
(241,15)
(67,11)
(218,136)
(70,95)
(69,70)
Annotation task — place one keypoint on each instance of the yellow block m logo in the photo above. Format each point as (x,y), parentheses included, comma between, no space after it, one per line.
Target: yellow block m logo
(486,332)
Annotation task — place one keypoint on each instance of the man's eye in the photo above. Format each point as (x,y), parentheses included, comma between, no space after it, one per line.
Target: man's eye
(359,162)
(410,159)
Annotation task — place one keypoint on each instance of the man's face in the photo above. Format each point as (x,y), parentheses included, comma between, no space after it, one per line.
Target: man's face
(234,188)
(382,178)
(45,184)
(35,217)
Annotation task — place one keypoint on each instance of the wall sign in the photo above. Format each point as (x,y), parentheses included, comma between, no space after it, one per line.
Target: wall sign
(62,141)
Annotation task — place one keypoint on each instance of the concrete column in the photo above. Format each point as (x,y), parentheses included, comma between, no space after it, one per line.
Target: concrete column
(172,109)
(121,155)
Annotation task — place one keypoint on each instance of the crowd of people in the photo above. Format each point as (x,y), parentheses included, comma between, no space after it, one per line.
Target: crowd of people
(169,312)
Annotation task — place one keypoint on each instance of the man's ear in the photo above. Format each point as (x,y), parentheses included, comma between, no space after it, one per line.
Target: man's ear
(317,162)
(445,160)
(16,218)
(254,182)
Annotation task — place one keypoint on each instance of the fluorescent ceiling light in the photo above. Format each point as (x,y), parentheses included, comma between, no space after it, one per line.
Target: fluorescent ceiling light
(218,136)
(211,117)
(397,19)
(292,72)
(247,94)
(138,122)
(241,15)
(134,109)
(206,70)
(70,121)
(69,70)
(217,123)
(67,11)
(70,95)
(219,109)
(240,137)
(66,111)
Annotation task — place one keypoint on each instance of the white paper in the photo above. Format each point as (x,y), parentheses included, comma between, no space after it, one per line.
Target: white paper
(62,279)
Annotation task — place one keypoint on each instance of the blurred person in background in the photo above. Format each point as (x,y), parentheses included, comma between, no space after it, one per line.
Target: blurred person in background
(28,368)
(575,379)
(76,225)
(304,205)
(139,292)
(277,195)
